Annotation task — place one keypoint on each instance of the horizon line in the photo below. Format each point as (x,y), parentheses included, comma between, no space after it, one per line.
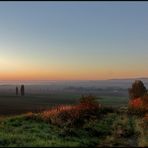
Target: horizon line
(82,79)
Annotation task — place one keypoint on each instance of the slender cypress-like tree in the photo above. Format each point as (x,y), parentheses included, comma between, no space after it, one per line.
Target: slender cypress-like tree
(22,90)
(17,91)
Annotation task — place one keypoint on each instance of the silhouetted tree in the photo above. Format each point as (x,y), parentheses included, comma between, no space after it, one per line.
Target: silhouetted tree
(16,90)
(22,90)
(138,89)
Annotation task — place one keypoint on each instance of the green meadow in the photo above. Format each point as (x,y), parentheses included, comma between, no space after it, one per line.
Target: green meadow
(109,128)
(23,132)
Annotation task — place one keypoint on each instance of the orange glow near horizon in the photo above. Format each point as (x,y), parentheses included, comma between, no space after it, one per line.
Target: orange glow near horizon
(67,75)
(19,69)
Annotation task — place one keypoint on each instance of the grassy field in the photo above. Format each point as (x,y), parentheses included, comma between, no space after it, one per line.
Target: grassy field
(114,101)
(11,104)
(85,125)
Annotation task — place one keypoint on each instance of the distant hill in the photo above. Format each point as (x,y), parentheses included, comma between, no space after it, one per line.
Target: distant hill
(129,79)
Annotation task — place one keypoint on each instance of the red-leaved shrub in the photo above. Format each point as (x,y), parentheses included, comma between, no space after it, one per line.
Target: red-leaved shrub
(136,103)
(71,114)
(138,106)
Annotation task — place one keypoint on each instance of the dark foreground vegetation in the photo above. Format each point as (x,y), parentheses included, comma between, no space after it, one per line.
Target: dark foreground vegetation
(86,123)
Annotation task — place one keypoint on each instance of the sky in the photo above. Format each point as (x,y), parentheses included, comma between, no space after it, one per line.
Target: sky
(73,40)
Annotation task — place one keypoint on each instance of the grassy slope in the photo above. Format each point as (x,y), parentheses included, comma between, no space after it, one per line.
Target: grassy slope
(112,130)
(143,133)
(20,131)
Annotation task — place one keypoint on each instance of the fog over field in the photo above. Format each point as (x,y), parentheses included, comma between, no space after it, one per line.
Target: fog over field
(57,86)
(44,94)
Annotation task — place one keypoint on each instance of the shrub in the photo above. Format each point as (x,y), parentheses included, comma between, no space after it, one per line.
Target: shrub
(73,115)
(88,99)
(138,106)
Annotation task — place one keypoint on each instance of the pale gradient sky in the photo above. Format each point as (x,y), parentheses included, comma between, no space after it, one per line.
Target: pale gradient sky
(73,40)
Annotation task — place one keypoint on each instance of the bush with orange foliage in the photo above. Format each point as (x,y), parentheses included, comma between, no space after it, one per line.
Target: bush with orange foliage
(138,106)
(136,103)
(72,114)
